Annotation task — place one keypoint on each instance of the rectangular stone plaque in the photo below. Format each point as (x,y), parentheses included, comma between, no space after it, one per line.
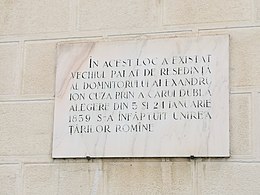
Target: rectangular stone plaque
(164,97)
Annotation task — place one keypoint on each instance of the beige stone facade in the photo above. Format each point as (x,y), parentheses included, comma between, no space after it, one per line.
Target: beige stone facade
(29,32)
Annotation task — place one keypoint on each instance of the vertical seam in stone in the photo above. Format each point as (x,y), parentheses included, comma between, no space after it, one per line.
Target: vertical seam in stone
(253,11)
(255,134)
(20,67)
(22,191)
(250,123)
(77,14)
(73,16)
(95,184)
(160,13)
(195,176)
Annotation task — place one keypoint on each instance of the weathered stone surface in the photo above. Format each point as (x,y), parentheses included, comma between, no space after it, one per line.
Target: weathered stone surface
(9,179)
(81,178)
(109,178)
(148,178)
(227,178)
(256,124)
(8,68)
(200,11)
(26,17)
(41,179)
(26,128)
(240,125)
(257,9)
(244,57)
(117,14)
(39,68)
(63,179)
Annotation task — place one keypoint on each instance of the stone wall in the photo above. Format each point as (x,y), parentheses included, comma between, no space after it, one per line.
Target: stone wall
(29,31)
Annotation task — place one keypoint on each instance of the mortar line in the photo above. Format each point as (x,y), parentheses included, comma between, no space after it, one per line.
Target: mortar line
(161,14)
(21,62)
(195,177)
(22,180)
(255,133)
(77,15)
(253,11)
(229,28)
(26,100)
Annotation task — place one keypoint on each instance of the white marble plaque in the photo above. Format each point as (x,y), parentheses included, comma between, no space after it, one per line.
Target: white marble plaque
(143,98)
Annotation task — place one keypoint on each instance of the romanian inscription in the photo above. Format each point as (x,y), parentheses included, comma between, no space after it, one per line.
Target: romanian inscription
(132,94)
(177,88)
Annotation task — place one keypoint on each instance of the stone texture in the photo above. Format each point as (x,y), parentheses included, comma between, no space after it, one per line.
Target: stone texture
(201,11)
(63,179)
(228,178)
(41,179)
(113,14)
(256,123)
(26,17)
(8,68)
(109,178)
(240,125)
(148,178)
(257,9)
(9,176)
(244,57)
(39,68)
(85,179)
(26,128)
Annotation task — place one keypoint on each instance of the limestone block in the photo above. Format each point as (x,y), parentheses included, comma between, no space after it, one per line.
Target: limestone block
(148,178)
(240,125)
(109,178)
(257,9)
(230,178)
(201,11)
(63,179)
(244,57)
(26,17)
(9,178)
(39,68)
(41,179)
(81,178)
(99,14)
(26,128)
(256,123)
(8,68)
